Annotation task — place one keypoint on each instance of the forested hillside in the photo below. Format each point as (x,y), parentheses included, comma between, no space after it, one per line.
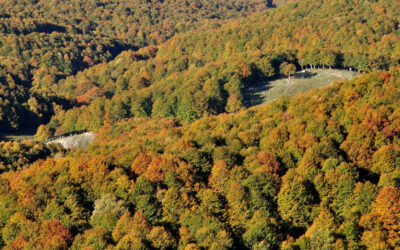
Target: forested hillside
(200,73)
(177,161)
(42,42)
(135,22)
(316,171)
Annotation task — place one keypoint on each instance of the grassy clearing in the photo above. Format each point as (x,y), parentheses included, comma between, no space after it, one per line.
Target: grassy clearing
(258,93)
(75,141)
(17,136)
(265,91)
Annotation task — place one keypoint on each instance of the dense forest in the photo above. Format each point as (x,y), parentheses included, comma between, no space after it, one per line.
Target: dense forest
(178,161)
(213,64)
(316,171)
(42,42)
(206,72)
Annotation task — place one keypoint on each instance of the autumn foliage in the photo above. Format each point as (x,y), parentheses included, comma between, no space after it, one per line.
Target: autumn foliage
(284,175)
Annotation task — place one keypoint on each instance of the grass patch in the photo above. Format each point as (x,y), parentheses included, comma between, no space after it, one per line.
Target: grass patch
(266,91)
(17,136)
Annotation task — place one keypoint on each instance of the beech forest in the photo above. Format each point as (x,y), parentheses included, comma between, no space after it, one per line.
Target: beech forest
(180,159)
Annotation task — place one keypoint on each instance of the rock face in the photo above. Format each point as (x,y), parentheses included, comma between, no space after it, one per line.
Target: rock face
(75,141)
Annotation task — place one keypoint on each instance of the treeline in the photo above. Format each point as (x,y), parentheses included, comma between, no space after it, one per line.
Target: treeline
(316,171)
(200,73)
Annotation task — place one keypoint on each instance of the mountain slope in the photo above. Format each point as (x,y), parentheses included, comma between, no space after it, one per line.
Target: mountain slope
(199,73)
(42,42)
(313,171)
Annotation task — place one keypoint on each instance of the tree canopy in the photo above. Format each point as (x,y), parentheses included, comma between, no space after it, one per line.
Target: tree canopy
(318,170)
(177,161)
